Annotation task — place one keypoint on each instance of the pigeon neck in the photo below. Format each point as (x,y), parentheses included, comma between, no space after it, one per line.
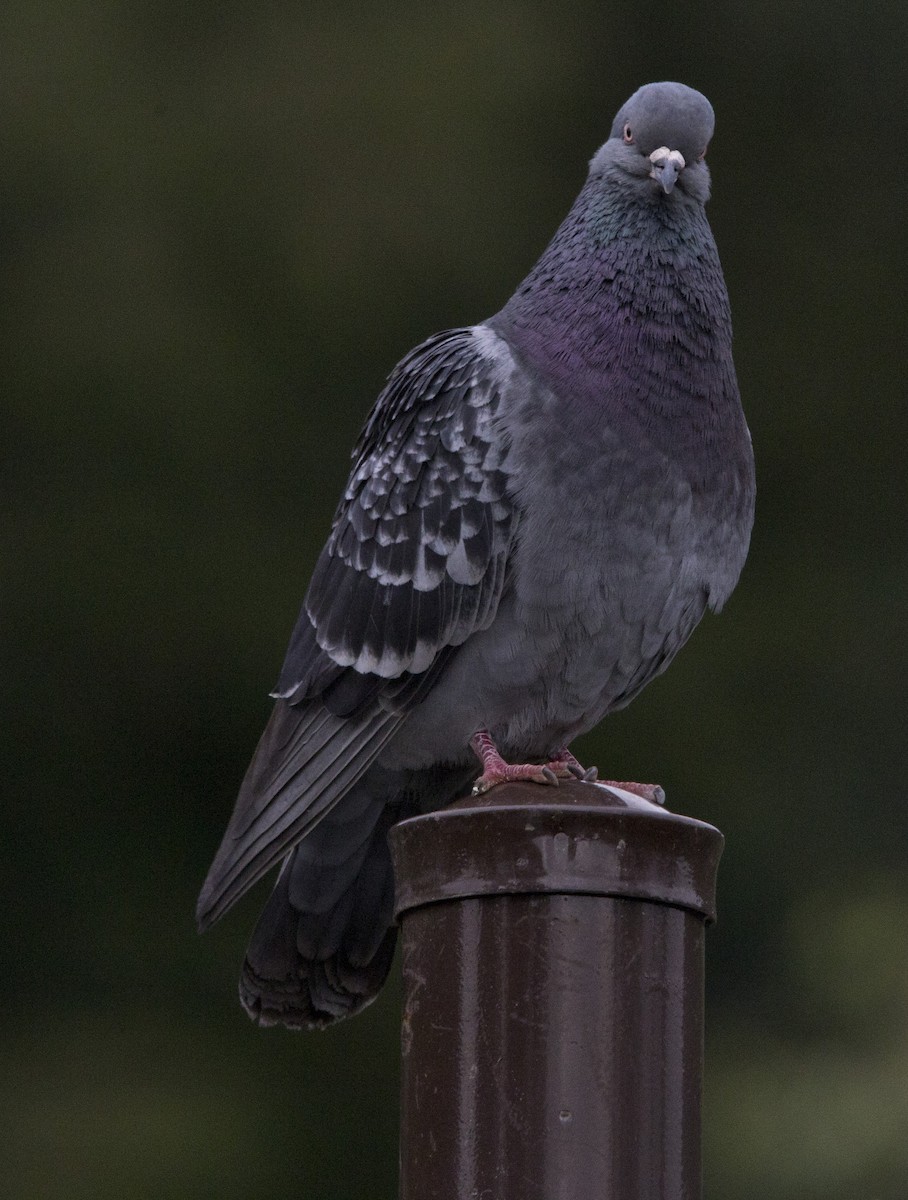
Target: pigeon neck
(626,295)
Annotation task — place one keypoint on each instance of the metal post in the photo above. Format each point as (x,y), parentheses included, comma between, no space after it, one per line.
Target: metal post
(553,1009)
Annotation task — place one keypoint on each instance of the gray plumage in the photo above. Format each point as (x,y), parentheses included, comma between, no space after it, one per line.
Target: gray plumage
(541,509)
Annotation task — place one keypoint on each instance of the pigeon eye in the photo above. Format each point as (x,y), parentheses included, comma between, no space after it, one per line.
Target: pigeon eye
(702,154)
(628,136)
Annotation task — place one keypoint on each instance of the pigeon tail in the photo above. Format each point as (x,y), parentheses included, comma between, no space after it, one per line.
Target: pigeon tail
(325,941)
(306,762)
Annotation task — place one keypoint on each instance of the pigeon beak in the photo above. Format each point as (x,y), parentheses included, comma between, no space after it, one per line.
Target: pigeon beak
(667,166)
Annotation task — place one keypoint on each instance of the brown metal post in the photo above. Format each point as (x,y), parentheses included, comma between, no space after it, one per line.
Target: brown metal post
(553,1009)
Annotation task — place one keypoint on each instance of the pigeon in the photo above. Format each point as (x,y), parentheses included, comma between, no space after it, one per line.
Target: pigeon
(540,510)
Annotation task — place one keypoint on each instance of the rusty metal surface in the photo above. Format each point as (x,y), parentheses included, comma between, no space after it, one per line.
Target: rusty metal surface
(579,838)
(553,1034)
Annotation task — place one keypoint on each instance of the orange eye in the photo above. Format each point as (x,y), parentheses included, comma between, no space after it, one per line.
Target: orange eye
(702,154)
(628,136)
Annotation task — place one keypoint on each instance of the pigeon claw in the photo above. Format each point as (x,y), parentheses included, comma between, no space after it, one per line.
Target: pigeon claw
(569,767)
(585,774)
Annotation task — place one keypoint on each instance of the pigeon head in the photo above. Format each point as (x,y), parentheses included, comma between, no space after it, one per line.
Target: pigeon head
(661,134)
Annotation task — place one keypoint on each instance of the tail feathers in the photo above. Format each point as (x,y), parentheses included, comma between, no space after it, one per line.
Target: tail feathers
(325,942)
(307,761)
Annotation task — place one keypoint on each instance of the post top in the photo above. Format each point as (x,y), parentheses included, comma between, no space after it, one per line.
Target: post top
(581,838)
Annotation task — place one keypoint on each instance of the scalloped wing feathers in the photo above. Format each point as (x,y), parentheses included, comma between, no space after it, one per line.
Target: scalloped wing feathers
(417,554)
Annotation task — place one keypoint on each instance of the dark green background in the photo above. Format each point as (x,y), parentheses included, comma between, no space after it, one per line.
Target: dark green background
(221,225)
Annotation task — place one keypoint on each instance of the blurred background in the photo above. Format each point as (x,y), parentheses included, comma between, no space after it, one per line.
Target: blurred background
(221,226)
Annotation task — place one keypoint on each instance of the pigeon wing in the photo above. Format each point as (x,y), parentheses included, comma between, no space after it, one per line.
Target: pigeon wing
(416,558)
(416,562)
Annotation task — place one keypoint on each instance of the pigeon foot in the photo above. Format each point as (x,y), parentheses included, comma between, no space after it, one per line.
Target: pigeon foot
(495,770)
(652,792)
(570,767)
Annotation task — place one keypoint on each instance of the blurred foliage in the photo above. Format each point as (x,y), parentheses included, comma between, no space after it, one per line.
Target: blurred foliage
(221,226)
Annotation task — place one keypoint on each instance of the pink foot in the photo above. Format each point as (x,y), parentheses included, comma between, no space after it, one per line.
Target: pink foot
(495,770)
(562,765)
(646,791)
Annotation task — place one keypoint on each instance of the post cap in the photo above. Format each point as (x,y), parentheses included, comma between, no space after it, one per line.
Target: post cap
(579,839)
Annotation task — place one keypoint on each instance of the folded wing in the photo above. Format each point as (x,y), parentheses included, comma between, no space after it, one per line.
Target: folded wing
(416,561)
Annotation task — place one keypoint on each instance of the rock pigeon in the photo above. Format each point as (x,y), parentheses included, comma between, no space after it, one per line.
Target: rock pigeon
(541,508)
